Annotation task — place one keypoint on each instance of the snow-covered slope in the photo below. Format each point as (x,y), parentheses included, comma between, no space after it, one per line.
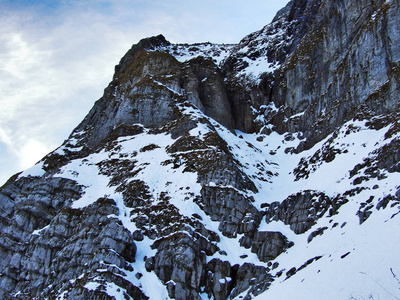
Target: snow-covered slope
(224,172)
(349,249)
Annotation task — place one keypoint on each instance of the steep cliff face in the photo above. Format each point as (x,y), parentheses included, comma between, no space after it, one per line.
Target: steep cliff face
(268,168)
(328,63)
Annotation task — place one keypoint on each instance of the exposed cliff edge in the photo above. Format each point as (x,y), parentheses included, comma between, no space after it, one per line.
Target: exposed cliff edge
(268,168)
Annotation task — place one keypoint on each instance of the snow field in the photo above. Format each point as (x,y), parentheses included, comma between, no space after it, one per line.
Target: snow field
(359,259)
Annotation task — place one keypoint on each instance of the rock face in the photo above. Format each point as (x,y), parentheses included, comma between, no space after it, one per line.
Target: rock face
(221,171)
(337,61)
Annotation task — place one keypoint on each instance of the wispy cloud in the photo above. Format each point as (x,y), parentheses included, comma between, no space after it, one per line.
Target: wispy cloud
(56,57)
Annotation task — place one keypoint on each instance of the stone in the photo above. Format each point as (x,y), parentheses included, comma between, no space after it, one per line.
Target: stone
(301,210)
(268,245)
(328,62)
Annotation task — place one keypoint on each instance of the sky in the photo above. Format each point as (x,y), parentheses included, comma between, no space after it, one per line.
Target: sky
(57,56)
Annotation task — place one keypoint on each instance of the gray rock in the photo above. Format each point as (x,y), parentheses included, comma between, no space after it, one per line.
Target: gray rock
(302,210)
(179,259)
(255,279)
(334,61)
(268,245)
(219,279)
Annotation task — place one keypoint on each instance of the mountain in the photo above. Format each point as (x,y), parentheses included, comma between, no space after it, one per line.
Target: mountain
(268,169)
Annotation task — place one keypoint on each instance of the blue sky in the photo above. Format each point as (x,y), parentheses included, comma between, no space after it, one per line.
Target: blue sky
(57,56)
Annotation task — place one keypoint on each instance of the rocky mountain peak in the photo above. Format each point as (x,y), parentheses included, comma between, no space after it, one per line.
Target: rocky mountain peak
(265,169)
(149,44)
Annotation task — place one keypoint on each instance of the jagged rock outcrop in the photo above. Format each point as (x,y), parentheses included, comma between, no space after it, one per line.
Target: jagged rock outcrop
(179,263)
(302,210)
(145,87)
(219,171)
(332,54)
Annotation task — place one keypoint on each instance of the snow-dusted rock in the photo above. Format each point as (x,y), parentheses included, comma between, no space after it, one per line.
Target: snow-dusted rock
(268,168)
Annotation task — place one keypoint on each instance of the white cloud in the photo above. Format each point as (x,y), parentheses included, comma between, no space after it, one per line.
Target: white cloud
(31,152)
(4,138)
